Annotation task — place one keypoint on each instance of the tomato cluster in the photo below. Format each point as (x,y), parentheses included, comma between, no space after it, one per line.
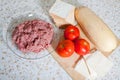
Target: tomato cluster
(72,43)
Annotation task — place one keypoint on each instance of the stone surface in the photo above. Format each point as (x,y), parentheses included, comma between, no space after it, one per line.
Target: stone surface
(13,67)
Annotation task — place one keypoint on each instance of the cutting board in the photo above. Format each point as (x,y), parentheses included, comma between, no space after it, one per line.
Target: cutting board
(68,64)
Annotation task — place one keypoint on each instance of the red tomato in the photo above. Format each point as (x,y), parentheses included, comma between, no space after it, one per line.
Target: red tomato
(71,32)
(82,47)
(65,48)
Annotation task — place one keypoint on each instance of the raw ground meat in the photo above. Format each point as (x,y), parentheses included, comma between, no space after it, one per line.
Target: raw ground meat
(32,36)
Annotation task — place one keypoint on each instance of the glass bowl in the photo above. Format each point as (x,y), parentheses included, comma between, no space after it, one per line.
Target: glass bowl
(20,18)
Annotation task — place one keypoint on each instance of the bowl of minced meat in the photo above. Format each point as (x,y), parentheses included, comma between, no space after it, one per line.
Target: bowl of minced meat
(32,35)
(29,35)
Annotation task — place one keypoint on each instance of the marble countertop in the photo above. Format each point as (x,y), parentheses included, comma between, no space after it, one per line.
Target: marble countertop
(13,67)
